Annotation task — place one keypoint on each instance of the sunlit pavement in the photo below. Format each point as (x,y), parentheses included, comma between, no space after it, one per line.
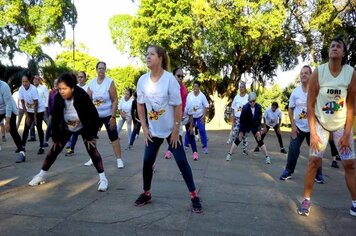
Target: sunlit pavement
(240,197)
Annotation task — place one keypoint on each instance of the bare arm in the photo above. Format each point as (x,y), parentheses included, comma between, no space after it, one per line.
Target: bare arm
(113,97)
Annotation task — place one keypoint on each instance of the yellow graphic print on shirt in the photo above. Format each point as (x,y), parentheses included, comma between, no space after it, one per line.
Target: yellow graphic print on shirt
(154,115)
(303,115)
(72,123)
(98,102)
(239,109)
(29,105)
(333,106)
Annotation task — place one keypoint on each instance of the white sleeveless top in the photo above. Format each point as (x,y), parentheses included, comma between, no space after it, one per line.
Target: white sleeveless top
(101,96)
(330,108)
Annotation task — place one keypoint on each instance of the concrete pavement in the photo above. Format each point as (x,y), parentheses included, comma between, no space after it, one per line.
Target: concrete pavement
(240,197)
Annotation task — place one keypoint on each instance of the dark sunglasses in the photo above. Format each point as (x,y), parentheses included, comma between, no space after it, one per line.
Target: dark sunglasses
(252,101)
(180,76)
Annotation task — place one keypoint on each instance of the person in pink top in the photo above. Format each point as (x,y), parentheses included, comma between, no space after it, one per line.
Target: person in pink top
(186,120)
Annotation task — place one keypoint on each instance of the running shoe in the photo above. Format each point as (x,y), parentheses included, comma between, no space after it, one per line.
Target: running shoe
(40,151)
(228,157)
(338,157)
(245,152)
(205,150)
(88,163)
(103,185)
(353,211)
(196,206)
(283,151)
(120,164)
(128,147)
(22,157)
(285,175)
(334,164)
(70,152)
(304,208)
(195,156)
(37,180)
(268,160)
(143,199)
(167,155)
(319,179)
(185,148)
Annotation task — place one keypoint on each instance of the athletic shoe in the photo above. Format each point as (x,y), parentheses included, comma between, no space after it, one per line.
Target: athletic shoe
(229,141)
(245,152)
(22,157)
(196,206)
(205,150)
(143,199)
(285,175)
(338,157)
(257,149)
(197,138)
(283,151)
(19,150)
(185,148)
(45,144)
(304,208)
(70,152)
(319,179)
(268,160)
(128,147)
(103,185)
(37,180)
(167,155)
(228,157)
(88,163)
(40,151)
(31,140)
(195,156)
(334,164)
(120,163)
(353,211)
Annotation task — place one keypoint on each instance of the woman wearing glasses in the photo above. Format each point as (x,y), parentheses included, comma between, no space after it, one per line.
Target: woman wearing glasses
(250,121)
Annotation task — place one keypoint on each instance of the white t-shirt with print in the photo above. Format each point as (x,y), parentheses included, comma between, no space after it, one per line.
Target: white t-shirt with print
(238,103)
(272,117)
(29,96)
(160,98)
(85,87)
(43,95)
(101,96)
(71,118)
(125,106)
(298,101)
(15,96)
(196,104)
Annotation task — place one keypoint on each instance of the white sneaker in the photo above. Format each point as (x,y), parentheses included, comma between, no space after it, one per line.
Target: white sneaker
(103,185)
(88,163)
(37,180)
(228,157)
(268,160)
(120,163)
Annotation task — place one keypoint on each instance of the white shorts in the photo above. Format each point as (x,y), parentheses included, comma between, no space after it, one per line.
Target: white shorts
(324,136)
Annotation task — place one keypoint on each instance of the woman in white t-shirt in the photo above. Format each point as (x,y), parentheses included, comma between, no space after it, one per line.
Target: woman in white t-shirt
(34,108)
(102,91)
(124,107)
(273,119)
(160,92)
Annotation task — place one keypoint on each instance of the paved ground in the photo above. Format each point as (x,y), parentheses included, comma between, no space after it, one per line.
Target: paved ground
(240,197)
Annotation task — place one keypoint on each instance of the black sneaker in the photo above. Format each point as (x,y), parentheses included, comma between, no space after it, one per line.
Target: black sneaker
(22,157)
(319,179)
(245,152)
(257,149)
(143,199)
(31,140)
(19,150)
(334,164)
(196,206)
(40,151)
(283,151)
(285,175)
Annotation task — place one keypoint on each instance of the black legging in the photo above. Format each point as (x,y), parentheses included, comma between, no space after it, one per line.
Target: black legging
(260,142)
(13,131)
(38,126)
(278,133)
(65,135)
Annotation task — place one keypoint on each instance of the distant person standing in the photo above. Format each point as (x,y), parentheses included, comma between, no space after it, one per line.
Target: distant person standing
(197,106)
(250,121)
(124,108)
(159,91)
(297,111)
(9,111)
(239,101)
(34,108)
(331,101)
(73,112)
(15,96)
(273,119)
(102,91)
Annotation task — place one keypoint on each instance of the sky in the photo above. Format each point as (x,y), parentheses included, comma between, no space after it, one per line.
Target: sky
(93,31)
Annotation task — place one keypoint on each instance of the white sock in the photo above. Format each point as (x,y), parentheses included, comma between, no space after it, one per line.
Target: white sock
(43,173)
(102,175)
(354,203)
